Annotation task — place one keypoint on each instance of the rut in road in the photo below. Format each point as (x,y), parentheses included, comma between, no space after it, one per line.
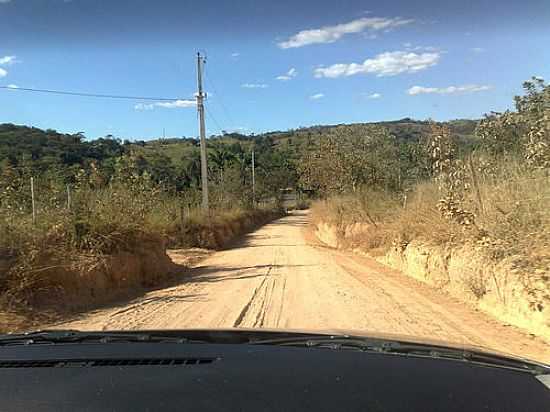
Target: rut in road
(274,278)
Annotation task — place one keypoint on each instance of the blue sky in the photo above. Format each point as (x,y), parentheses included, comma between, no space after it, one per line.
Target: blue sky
(271,65)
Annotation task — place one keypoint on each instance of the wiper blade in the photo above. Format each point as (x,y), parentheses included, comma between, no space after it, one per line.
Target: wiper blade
(345,342)
(75,336)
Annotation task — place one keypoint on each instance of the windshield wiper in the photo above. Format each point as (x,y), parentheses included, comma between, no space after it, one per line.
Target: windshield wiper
(74,336)
(344,342)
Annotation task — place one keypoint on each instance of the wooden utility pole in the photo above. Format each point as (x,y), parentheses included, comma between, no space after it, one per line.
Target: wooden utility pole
(200,110)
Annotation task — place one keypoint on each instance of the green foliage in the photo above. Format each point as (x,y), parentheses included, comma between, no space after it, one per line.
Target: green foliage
(525,132)
(347,159)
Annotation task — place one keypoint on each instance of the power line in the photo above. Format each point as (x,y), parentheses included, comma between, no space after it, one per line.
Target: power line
(219,100)
(103,96)
(211,116)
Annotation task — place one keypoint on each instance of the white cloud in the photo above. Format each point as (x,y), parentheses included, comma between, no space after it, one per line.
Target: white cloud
(3,73)
(176,104)
(477,49)
(384,64)
(4,1)
(235,54)
(6,60)
(289,75)
(254,85)
(317,96)
(12,86)
(330,34)
(374,96)
(468,88)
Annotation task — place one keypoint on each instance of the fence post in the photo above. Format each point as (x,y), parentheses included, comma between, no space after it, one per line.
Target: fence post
(68,197)
(182,216)
(476,186)
(33,203)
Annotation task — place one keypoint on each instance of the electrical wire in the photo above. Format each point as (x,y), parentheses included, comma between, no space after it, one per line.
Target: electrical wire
(103,96)
(219,99)
(211,117)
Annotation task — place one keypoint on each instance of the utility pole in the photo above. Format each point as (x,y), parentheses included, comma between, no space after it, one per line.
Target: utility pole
(253,181)
(200,110)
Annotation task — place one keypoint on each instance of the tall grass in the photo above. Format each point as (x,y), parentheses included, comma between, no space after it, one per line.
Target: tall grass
(101,222)
(511,207)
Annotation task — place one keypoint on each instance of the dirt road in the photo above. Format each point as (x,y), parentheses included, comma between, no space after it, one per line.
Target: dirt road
(277,278)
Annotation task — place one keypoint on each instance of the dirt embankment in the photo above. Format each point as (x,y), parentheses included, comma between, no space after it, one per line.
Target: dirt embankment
(48,286)
(53,286)
(495,288)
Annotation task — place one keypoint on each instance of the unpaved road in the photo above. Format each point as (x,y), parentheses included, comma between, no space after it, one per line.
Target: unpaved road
(277,278)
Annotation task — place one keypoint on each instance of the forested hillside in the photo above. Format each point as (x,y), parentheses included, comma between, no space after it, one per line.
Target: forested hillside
(175,162)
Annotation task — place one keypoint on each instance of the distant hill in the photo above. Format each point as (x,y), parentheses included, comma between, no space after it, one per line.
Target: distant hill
(18,143)
(404,129)
(23,144)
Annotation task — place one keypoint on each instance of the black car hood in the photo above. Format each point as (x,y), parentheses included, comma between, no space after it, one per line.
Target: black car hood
(240,369)
(241,335)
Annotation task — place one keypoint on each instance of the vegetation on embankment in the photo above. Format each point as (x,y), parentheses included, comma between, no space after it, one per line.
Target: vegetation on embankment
(52,269)
(477,225)
(501,266)
(100,240)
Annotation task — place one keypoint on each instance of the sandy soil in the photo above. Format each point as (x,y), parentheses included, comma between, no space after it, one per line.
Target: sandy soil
(279,277)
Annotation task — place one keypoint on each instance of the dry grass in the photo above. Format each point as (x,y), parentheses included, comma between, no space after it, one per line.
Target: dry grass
(115,221)
(512,217)
(501,259)
(215,230)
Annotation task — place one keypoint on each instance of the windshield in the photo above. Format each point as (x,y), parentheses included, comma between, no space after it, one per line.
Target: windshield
(366,167)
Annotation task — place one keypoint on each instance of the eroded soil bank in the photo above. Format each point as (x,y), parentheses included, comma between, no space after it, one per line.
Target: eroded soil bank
(48,286)
(496,288)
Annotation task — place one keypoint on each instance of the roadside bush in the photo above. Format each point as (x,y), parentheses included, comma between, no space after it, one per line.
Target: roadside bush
(116,219)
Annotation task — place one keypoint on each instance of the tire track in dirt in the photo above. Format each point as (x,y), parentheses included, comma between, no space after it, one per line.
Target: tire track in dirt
(247,309)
